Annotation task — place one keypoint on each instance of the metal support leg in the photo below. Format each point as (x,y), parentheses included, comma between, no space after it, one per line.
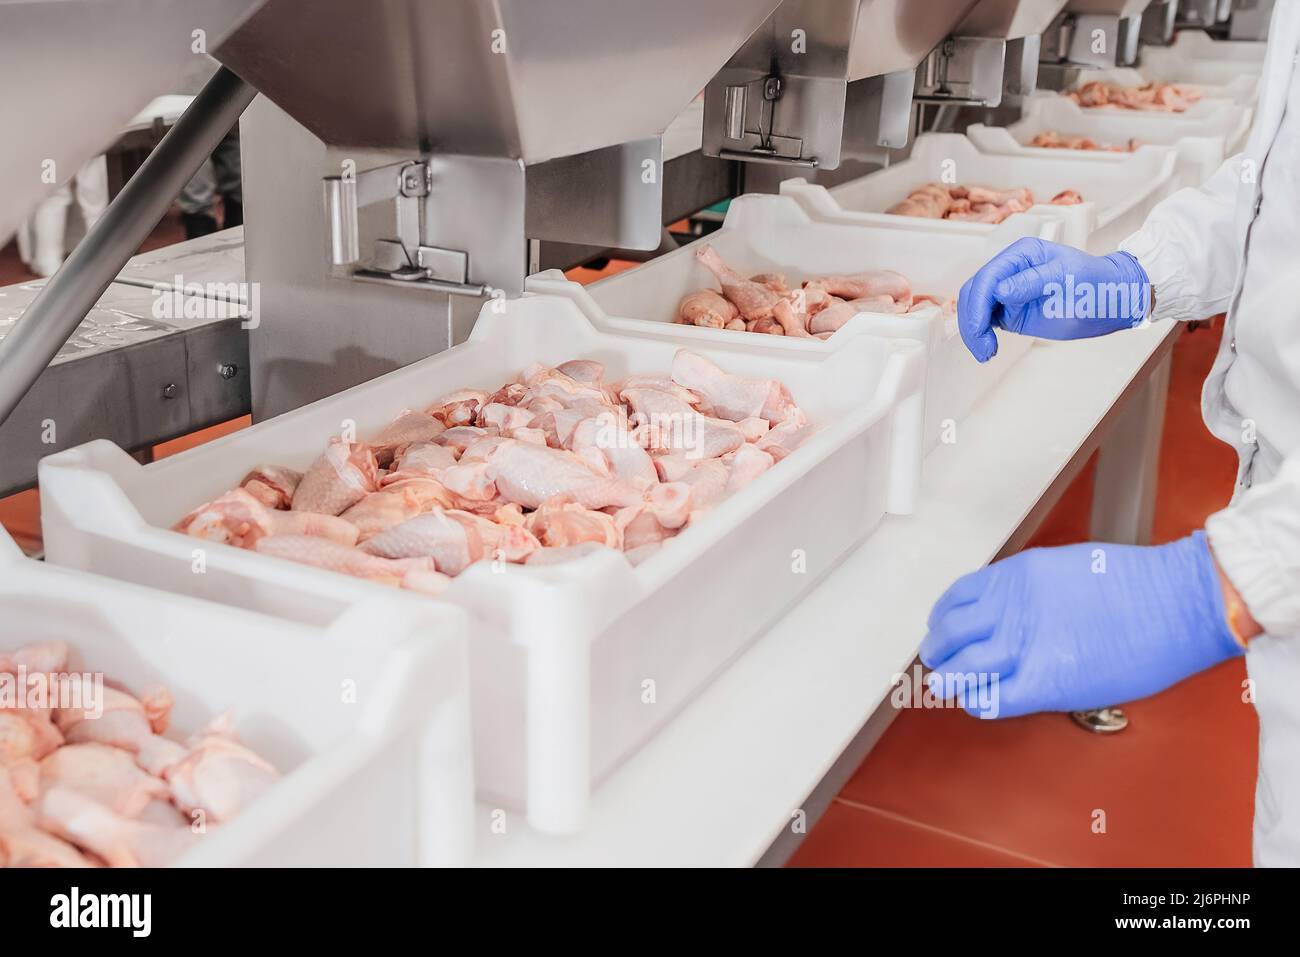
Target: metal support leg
(130,218)
(817,803)
(1124,495)
(1124,490)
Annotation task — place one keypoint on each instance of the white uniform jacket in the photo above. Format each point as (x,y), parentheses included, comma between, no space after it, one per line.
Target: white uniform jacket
(1233,246)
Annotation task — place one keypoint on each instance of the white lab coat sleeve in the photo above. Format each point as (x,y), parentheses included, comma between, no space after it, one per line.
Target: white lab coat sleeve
(1257,544)
(1189,249)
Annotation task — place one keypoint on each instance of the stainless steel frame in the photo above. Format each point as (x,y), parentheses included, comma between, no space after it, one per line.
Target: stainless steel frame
(99,257)
(824,80)
(1249,19)
(1096,33)
(991,57)
(385,204)
(127,376)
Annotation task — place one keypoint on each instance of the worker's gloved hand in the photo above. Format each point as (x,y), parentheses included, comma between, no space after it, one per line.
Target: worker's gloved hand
(1080,627)
(1043,289)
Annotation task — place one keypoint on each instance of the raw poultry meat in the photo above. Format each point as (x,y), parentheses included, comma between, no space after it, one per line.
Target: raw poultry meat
(22,842)
(240,518)
(978,204)
(1164,97)
(816,308)
(417,574)
(218,777)
(122,722)
(709,309)
(272,485)
(39,656)
(529,474)
(931,201)
(108,775)
(117,840)
(407,495)
(99,784)
(435,534)
(557,460)
(753,300)
(26,733)
(734,397)
(1050,139)
(338,479)
(883,283)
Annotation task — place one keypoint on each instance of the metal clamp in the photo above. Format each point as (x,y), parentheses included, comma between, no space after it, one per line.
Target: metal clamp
(963,71)
(406,260)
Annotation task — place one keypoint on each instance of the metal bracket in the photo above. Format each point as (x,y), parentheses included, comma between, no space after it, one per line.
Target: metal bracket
(771,157)
(967,71)
(1159,21)
(406,260)
(1096,40)
(761,145)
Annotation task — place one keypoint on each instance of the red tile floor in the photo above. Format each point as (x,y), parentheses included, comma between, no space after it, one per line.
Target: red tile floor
(943,789)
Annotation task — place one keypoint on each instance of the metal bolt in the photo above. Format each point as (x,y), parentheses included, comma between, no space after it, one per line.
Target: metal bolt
(1101,720)
(169,391)
(228,370)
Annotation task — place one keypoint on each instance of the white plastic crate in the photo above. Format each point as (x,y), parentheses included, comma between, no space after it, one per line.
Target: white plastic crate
(1118,190)
(387,780)
(1235,84)
(560,655)
(1197,45)
(1231,67)
(779,234)
(1202,143)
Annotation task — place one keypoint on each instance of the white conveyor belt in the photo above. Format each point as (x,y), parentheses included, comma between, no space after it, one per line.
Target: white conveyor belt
(719,784)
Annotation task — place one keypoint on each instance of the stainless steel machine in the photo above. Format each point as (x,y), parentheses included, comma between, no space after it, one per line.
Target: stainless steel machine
(389,198)
(822,81)
(991,57)
(1160,21)
(1204,14)
(409,161)
(1091,33)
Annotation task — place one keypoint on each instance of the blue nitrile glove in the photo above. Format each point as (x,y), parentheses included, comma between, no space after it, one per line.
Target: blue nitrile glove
(1079,627)
(1043,289)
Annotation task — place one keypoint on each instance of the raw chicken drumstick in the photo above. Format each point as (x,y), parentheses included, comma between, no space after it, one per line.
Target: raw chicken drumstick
(707,308)
(117,840)
(106,774)
(339,478)
(559,460)
(766,304)
(219,776)
(1050,139)
(1166,97)
(22,842)
(752,299)
(881,283)
(981,204)
(99,784)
